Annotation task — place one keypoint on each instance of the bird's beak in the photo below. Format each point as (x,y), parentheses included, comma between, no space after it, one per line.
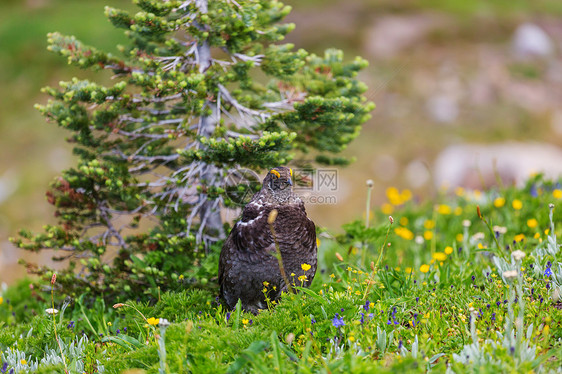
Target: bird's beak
(289,182)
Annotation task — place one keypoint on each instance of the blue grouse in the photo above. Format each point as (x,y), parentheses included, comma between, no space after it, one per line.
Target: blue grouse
(248,260)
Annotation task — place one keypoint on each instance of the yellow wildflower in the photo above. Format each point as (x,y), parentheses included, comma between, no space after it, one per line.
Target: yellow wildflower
(153,321)
(403,232)
(403,221)
(458,211)
(429,224)
(387,208)
(406,195)
(23,362)
(448,250)
(424,268)
(459,191)
(557,194)
(305,267)
(517,204)
(317,242)
(302,278)
(519,237)
(537,235)
(459,237)
(428,235)
(532,223)
(499,202)
(444,209)
(245,321)
(440,256)
(393,196)
(1,300)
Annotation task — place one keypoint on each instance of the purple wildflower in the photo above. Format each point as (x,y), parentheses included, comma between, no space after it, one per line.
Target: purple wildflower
(337,321)
(366,306)
(534,192)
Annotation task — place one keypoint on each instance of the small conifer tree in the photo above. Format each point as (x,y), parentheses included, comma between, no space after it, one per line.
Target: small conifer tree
(204,87)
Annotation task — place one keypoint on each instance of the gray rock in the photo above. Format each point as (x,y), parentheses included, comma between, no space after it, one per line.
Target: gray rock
(530,40)
(478,165)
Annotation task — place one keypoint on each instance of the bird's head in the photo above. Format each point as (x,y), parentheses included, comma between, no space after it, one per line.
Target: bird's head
(279,183)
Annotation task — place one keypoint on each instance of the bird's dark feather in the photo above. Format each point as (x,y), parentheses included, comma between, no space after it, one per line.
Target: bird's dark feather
(248,258)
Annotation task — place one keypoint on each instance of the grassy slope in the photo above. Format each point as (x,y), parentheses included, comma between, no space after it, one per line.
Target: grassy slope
(301,333)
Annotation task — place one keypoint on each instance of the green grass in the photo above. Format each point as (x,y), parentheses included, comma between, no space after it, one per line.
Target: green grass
(407,309)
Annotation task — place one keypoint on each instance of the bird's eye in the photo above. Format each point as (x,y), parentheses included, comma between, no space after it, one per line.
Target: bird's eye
(275,172)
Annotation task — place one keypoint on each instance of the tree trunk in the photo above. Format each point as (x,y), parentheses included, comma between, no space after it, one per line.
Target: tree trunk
(210,218)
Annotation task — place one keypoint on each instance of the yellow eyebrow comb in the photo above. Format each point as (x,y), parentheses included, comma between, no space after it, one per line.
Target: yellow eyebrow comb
(275,172)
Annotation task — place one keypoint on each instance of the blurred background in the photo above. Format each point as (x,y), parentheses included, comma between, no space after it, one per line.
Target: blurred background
(465,91)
